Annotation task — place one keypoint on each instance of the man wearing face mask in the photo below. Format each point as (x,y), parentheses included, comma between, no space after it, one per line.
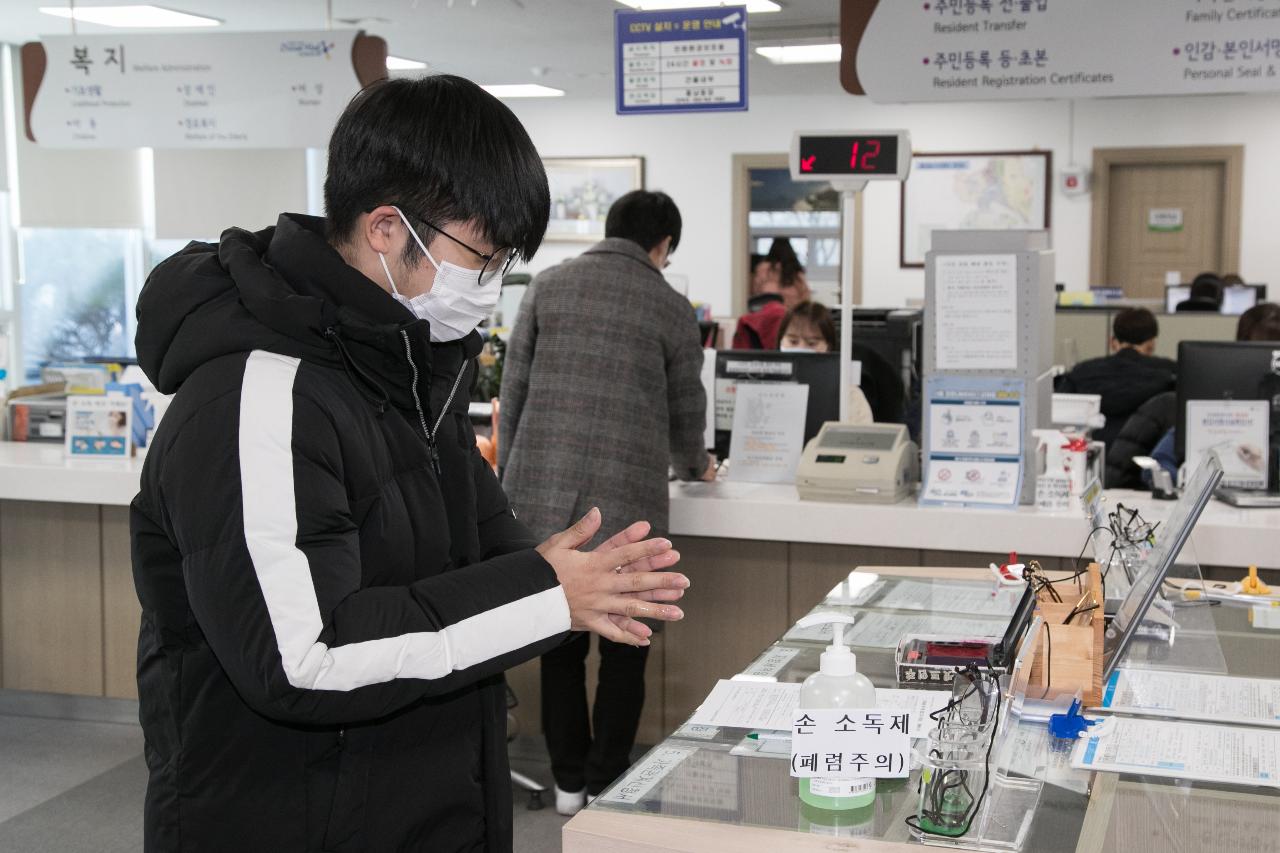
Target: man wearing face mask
(601,392)
(332,581)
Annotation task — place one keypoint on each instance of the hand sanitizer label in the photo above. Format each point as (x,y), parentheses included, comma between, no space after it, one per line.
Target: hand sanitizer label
(842,787)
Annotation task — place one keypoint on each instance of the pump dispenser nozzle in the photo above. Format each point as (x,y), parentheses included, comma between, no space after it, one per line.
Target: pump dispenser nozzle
(837,659)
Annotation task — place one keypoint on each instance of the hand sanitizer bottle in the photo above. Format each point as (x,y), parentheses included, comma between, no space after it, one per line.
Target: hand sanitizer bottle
(837,684)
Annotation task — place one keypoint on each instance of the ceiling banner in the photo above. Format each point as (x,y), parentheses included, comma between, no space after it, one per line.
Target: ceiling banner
(195,90)
(978,50)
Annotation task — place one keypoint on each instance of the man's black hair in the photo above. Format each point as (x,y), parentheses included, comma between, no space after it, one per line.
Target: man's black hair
(1207,286)
(1135,326)
(644,217)
(443,150)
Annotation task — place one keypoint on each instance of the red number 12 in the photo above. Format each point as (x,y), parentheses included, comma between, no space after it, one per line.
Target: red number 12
(869,158)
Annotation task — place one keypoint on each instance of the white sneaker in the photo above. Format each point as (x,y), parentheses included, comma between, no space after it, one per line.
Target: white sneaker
(569,803)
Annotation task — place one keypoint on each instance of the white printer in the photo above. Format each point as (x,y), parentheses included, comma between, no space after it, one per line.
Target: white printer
(858,463)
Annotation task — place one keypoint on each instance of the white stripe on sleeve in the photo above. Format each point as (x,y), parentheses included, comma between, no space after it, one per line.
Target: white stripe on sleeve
(284,575)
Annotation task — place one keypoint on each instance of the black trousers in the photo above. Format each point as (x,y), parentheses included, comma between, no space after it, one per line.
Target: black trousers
(591,754)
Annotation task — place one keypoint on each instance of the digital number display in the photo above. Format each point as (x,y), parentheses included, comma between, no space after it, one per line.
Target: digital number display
(849,155)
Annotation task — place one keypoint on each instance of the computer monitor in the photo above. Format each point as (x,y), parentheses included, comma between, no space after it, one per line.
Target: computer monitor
(820,371)
(896,334)
(1170,537)
(1230,370)
(1236,299)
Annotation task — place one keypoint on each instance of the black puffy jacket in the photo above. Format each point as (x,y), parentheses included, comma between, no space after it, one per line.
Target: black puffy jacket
(1138,437)
(331,579)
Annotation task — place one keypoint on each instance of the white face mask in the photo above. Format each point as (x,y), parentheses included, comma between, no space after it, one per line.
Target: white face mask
(785,348)
(455,305)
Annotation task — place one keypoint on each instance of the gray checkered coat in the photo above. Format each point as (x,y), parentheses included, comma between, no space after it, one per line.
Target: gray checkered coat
(601,389)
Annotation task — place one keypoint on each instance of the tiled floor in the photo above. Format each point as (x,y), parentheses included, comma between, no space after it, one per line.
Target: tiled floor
(76,787)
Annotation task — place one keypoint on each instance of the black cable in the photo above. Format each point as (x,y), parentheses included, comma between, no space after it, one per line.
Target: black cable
(1048,661)
(913,820)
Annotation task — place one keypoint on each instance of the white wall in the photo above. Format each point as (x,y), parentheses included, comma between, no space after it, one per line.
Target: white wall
(690,157)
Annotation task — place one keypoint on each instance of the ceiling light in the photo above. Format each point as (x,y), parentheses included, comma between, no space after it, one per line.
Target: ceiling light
(399,63)
(665,5)
(797,54)
(523,90)
(132,17)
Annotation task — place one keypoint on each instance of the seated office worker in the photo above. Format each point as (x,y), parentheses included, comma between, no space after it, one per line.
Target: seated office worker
(332,581)
(808,328)
(758,328)
(601,391)
(1127,378)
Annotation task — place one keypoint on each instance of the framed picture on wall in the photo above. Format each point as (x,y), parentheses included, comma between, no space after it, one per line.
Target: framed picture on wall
(994,190)
(583,189)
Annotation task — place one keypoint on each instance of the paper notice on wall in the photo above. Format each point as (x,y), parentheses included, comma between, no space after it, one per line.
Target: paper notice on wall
(976,312)
(768,431)
(1237,431)
(1230,755)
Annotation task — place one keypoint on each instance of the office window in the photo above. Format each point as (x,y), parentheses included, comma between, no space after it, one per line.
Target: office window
(77,294)
(808,214)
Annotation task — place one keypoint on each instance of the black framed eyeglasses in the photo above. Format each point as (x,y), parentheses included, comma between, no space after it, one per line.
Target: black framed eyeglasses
(498,263)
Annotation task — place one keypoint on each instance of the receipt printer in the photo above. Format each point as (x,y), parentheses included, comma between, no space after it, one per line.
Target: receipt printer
(859,463)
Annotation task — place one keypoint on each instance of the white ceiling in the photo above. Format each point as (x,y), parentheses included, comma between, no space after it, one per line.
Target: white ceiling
(492,41)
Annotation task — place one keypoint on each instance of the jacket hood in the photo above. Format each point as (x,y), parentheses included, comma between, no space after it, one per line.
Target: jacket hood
(282,289)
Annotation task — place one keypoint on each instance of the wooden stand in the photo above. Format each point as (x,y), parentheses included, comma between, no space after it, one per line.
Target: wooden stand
(1068,657)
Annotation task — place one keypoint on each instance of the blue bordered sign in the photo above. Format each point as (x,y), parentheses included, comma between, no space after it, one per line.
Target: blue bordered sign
(681,61)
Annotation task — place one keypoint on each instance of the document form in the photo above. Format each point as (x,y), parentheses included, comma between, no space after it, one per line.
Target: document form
(1192,696)
(1232,755)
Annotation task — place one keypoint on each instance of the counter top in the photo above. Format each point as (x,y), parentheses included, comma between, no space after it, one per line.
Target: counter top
(35,471)
(1224,536)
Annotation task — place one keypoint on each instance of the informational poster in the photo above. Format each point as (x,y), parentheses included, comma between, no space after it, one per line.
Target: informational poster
(681,60)
(196,90)
(974,441)
(768,431)
(1236,430)
(99,427)
(976,299)
(969,50)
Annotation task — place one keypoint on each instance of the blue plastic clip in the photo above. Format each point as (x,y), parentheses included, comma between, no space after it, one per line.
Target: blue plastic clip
(1071,724)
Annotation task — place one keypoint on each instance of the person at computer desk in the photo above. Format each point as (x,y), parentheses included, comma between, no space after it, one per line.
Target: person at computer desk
(1206,295)
(777,283)
(1127,378)
(1259,323)
(880,397)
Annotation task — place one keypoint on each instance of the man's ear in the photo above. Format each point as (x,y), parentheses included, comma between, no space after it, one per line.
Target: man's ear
(378,228)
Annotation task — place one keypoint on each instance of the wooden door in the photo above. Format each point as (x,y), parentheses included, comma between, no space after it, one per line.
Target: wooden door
(1163,217)
(1164,210)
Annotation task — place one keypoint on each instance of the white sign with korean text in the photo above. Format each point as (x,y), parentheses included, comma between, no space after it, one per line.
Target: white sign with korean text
(977,312)
(768,431)
(1235,430)
(850,743)
(194,90)
(651,770)
(969,50)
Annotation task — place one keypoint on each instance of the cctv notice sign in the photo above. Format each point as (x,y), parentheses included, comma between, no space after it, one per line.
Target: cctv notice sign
(681,61)
(195,90)
(971,50)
